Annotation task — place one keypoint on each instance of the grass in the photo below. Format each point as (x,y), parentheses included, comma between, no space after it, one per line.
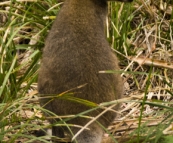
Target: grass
(139,33)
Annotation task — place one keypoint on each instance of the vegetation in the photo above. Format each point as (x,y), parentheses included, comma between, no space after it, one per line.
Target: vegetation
(141,34)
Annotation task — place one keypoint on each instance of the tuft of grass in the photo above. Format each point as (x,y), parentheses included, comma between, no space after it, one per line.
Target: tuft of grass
(23,30)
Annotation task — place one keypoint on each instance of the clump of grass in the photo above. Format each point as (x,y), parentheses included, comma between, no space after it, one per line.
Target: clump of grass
(146,43)
(22,33)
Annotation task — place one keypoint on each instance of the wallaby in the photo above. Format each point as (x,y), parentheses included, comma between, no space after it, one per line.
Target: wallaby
(75,51)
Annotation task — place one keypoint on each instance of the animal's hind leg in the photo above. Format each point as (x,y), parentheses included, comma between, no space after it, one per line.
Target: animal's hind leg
(94,135)
(58,132)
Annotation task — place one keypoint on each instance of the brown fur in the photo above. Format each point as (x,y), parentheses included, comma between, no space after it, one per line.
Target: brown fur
(75,51)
